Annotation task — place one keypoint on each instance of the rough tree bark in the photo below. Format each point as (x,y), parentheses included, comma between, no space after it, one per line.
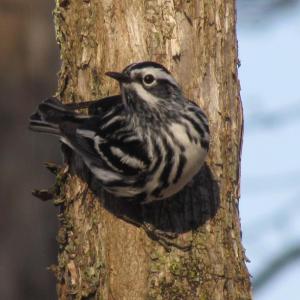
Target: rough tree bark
(100,255)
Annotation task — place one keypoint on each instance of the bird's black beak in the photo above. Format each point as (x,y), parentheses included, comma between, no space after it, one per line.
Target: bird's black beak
(121,77)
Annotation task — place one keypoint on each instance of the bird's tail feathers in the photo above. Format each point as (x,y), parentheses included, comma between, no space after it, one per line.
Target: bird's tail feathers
(49,115)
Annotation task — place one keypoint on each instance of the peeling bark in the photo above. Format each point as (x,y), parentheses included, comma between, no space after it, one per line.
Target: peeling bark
(100,255)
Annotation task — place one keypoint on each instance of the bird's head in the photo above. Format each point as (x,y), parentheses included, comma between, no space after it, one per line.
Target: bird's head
(147,84)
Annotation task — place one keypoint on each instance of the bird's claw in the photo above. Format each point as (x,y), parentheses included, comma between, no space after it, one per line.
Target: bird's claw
(165,239)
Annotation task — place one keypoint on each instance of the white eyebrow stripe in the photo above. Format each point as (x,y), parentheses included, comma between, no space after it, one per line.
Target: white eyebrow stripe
(157,73)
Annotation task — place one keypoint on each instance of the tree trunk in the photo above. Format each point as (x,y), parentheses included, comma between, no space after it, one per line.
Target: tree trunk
(100,255)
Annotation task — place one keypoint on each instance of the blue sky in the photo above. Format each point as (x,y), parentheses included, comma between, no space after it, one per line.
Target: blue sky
(270,206)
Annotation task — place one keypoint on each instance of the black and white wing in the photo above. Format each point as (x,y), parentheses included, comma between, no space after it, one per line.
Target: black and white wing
(105,141)
(96,107)
(123,155)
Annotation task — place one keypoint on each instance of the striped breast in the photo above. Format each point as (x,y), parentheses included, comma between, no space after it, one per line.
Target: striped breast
(182,147)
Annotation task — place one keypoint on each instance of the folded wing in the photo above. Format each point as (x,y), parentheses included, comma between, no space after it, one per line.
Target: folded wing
(103,138)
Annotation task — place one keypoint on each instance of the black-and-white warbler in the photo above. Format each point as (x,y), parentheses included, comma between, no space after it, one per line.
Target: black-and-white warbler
(146,143)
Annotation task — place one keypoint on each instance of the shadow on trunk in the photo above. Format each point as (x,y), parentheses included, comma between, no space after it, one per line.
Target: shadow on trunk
(185,211)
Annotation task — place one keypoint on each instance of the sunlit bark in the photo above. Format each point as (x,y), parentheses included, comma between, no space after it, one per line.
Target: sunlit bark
(100,255)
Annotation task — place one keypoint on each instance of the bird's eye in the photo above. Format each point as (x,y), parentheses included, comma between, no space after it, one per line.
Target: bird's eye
(149,79)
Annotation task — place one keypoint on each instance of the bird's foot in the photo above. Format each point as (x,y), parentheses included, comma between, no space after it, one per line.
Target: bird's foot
(164,238)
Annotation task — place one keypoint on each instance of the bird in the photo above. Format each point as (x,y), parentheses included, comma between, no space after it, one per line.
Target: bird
(147,143)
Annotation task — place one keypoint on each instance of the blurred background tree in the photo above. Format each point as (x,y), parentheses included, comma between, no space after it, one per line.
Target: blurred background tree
(269,42)
(29,62)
